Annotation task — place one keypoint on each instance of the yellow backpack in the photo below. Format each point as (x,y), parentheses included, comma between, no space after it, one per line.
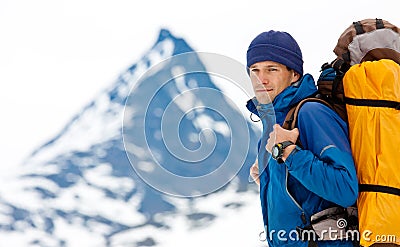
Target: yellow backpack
(369,50)
(374,131)
(363,86)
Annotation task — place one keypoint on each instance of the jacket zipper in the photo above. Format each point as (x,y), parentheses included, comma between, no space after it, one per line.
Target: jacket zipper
(303,216)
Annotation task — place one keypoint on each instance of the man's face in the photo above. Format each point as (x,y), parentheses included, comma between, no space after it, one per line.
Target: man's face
(269,79)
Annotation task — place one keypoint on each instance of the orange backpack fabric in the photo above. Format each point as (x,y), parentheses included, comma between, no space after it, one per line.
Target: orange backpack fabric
(374,134)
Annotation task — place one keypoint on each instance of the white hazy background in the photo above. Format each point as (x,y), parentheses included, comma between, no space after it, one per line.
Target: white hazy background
(57,55)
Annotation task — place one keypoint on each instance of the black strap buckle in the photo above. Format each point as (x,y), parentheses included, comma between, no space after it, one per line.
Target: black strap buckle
(379,23)
(358,27)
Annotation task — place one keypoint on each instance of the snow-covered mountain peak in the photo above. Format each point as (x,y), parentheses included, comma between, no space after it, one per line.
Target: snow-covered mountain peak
(101,181)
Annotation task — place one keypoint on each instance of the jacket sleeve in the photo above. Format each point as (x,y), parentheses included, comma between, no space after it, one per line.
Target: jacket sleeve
(325,165)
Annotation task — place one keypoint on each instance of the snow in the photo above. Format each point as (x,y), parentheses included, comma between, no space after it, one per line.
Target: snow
(234,226)
(101,176)
(104,111)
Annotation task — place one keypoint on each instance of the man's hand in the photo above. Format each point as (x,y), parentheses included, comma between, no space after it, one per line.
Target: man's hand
(254,172)
(280,134)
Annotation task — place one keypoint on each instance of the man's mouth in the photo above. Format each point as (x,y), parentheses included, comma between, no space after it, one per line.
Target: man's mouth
(264,90)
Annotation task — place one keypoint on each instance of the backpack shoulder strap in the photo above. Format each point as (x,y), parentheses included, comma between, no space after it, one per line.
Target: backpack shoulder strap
(290,121)
(291,118)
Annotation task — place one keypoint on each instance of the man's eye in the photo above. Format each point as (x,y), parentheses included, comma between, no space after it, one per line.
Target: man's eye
(272,69)
(254,70)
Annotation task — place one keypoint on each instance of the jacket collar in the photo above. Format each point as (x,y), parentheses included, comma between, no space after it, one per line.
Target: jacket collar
(284,101)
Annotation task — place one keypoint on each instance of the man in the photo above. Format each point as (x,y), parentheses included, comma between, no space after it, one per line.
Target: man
(297,182)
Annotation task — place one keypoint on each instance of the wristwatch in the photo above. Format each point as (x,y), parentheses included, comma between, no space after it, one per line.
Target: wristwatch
(277,150)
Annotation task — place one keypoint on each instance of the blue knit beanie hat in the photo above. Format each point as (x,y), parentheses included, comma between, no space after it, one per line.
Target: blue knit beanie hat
(278,47)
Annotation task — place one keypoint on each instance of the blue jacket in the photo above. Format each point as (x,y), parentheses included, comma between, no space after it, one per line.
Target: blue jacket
(318,176)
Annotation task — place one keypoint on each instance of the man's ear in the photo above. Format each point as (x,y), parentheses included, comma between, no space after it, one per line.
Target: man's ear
(295,77)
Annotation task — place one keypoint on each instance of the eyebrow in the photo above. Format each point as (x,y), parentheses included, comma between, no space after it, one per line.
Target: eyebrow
(265,66)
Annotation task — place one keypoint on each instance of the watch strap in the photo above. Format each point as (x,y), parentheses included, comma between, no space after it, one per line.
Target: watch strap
(282,146)
(286,144)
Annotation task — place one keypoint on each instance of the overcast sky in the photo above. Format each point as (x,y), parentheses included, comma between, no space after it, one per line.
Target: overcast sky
(57,55)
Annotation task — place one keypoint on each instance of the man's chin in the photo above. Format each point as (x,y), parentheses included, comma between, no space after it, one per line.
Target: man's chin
(264,99)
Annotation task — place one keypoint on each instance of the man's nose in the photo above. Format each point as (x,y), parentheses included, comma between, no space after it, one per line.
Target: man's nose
(262,77)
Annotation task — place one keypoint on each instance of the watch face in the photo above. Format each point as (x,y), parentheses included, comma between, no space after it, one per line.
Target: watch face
(275,152)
